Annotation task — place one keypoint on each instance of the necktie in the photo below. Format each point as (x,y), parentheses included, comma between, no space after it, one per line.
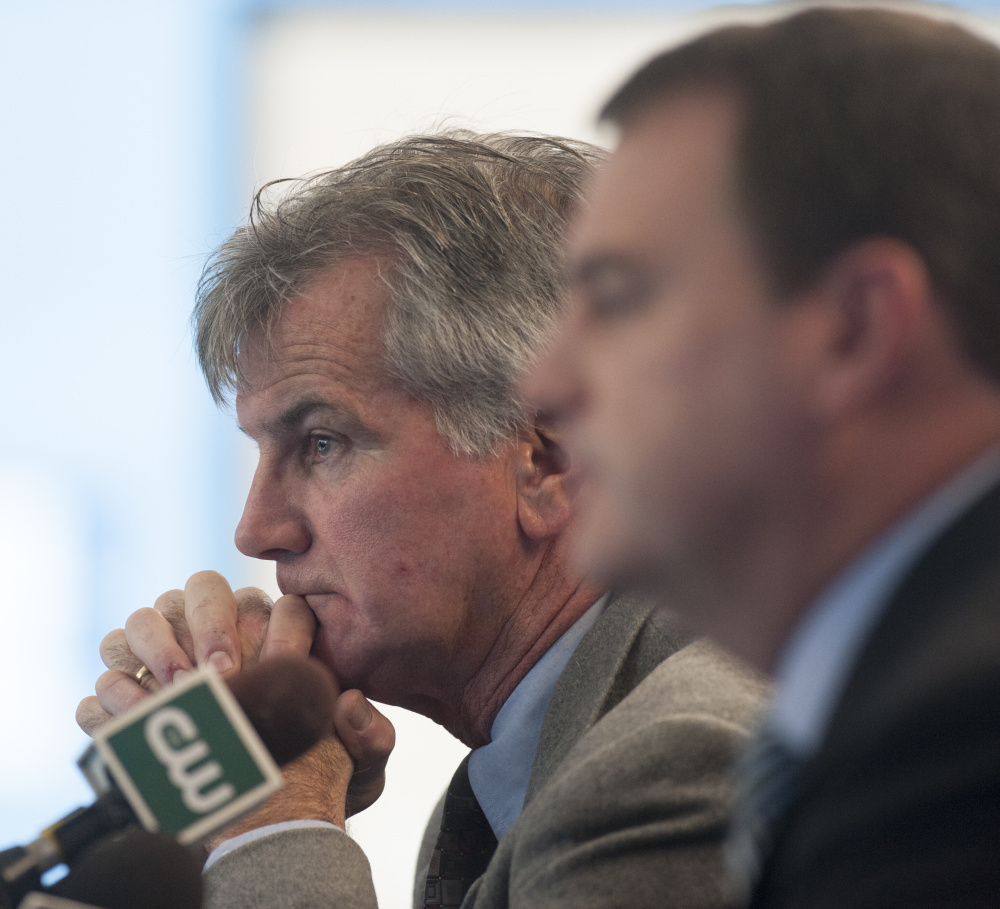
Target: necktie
(767,775)
(464,847)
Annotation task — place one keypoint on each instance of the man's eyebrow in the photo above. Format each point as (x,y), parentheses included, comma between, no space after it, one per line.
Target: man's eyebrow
(297,413)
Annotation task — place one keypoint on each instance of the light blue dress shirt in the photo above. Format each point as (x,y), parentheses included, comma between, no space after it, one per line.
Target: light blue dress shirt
(817,661)
(499,772)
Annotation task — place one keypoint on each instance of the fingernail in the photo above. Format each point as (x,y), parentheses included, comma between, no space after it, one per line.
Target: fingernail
(220,661)
(181,674)
(360,716)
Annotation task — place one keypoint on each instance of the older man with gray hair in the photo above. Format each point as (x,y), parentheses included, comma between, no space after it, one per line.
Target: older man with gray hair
(372,323)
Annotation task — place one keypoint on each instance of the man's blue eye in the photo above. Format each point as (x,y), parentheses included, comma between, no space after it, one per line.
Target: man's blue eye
(325,446)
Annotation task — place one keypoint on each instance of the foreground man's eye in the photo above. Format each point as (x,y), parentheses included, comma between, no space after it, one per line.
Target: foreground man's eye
(614,294)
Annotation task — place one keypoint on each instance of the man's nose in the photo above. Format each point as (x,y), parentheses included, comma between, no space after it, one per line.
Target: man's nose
(271,525)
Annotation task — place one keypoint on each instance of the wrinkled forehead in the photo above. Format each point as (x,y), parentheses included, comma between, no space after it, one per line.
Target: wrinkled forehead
(333,328)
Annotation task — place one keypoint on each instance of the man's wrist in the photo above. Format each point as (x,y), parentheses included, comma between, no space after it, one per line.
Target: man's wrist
(315,790)
(231,843)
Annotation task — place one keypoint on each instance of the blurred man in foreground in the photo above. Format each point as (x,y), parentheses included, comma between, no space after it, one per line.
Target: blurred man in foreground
(372,324)
(781,376)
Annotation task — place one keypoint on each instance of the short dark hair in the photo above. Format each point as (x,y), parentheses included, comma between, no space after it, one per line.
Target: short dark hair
(856,123)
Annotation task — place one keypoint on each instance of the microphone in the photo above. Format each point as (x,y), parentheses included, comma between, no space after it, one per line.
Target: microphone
(289,701)
(133,870)
(187,761)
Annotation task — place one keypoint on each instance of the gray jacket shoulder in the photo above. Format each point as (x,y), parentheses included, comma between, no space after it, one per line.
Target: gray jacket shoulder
(635,812)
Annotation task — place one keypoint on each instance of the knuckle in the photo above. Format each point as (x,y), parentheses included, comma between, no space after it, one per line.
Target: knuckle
(105,682)
(114,649)
(142,622)
(119,693)
(174,615)
(252,599)
(90,716)
(214,631)
(170,603)
(112,639)
(209,616)
(207,577)
(208,588)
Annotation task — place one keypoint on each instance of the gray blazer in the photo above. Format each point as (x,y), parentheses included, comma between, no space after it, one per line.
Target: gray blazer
(627,801)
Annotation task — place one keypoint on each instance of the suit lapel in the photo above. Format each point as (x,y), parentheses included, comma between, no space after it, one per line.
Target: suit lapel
(940,630)
(624,645)
(946,606)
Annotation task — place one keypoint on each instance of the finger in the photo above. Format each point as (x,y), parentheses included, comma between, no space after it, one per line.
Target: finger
(367,734)
(369,738)
(291,629)
(118,692)
(151,639)
(171,606)
(91,716)
(211,613)
(254,610)
(115,652)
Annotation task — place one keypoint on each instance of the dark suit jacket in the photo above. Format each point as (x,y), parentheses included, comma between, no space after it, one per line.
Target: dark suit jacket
(626,806)
(901,807)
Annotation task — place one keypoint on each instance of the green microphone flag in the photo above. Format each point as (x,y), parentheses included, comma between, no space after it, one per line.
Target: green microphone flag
(186,759)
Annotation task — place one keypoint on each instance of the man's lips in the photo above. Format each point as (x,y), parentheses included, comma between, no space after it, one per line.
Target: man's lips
(293,583)
(315,596)
(309,595)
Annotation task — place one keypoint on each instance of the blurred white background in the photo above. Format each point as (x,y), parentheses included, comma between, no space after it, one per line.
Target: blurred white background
(134,135)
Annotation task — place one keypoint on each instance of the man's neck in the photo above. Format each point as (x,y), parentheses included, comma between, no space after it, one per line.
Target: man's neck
(554,600)
(862,480)
(870,495)
(500,771)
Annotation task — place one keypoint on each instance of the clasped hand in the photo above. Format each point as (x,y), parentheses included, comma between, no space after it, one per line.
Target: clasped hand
(208,623)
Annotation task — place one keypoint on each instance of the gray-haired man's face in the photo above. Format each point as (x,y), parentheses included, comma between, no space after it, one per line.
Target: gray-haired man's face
(406,553)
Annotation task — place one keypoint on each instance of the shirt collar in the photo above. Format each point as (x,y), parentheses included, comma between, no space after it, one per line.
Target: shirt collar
(816,663)
(499,771)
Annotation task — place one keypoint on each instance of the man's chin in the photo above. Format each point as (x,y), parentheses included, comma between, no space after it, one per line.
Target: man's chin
(329,654)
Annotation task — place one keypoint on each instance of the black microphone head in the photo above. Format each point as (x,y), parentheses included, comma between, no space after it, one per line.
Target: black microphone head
(134,870)
(289,701)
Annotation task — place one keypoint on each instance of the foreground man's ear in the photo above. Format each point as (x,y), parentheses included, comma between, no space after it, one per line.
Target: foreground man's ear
(880,300)
(544,485)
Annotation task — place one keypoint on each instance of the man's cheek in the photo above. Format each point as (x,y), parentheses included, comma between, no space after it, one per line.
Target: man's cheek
(597,536)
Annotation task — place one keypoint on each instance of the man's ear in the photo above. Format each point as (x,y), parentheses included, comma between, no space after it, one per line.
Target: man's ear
(543,492)
(876,299)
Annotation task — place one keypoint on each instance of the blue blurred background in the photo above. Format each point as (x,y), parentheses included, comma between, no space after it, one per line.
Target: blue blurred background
(133,134)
